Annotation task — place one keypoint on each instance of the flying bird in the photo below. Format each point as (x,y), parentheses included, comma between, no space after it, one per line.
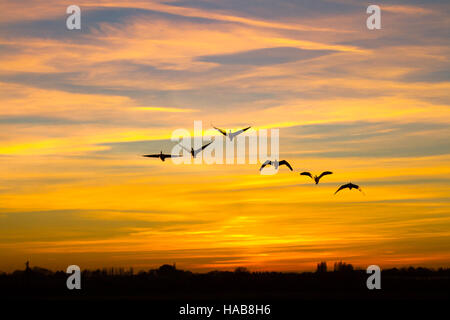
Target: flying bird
(316,178)
(350,186)
(193,152)
(276,164)
(230,134)
(161,156)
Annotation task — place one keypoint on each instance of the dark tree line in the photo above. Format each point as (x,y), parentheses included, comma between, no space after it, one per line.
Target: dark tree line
(168,282)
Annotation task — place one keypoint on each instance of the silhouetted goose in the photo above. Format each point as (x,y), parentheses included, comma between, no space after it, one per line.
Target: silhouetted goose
(315,178)
(161,155)
(230,134)
(276,164)
(350,186)
(195,152)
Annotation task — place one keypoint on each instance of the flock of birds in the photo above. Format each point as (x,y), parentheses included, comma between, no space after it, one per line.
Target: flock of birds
(275,163)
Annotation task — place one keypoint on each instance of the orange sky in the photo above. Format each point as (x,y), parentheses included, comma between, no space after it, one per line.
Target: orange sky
(78,108)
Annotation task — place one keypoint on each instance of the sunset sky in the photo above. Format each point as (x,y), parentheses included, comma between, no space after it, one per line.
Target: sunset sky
(79,108)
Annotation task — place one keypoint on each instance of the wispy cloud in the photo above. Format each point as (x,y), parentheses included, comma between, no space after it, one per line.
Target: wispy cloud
(165,109)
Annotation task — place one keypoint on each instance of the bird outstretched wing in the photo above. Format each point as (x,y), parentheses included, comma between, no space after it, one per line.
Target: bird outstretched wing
(171,155)
(285,163)
(267,162)
(201,149)
(343,187)
(306,173)
(151,155)
(240,131)
(324,174)
(221,131)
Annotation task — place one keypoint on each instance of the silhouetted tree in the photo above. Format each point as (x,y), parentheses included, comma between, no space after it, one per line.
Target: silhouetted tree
(241,270)
(167,269)
(321,267)
(342,267)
